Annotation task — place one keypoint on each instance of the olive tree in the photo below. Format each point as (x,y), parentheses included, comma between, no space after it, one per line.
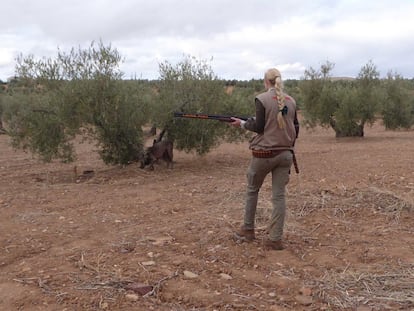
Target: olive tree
(318,96)
(344,105)
(398,107)
(79,92)
(190,86)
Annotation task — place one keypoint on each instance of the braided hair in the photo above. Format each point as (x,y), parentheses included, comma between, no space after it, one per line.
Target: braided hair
(275,79)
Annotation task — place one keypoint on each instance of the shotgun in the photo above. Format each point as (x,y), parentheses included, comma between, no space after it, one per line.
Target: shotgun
(219,117)
(223,118)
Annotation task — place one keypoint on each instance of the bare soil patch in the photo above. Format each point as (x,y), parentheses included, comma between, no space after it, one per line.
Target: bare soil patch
(121,238)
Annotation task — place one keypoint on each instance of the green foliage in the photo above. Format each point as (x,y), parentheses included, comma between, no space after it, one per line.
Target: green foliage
(319,96)
(346,106)
(370,94)
(52,101)
(239,102)
(255,84)
(80,92)
(398,108)
(190,86)
(345,121)
(34,126)
(292,88)
(117,124)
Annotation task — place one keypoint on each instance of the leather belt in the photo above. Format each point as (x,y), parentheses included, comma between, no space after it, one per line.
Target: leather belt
(266,153)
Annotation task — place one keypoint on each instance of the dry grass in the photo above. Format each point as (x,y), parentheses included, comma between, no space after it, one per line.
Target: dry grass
(349,289)
(381,286)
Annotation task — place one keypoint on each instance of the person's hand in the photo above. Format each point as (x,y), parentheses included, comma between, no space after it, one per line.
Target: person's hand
(236,122)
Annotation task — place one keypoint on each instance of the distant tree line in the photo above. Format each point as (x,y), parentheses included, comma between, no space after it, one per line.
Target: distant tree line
(83,93)
(347,105)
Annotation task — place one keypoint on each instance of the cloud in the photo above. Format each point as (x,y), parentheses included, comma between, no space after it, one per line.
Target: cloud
(243,39)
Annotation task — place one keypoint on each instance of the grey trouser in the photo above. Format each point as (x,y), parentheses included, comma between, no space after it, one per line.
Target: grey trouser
(258,169)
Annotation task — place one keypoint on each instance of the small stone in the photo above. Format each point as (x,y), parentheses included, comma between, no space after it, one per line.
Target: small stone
(226,276)
(104,306)
(306,291)
(148,263)
(190,275)
(131,297)
(304,300)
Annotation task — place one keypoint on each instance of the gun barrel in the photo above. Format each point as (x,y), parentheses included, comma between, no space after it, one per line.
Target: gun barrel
(218,117)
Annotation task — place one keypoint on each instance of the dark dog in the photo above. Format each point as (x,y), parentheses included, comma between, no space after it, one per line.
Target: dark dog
(159,150)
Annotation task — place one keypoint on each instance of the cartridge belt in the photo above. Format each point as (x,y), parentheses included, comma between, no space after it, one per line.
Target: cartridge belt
(266,153)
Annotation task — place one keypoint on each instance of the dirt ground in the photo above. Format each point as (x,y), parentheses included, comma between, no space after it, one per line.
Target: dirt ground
(123,238)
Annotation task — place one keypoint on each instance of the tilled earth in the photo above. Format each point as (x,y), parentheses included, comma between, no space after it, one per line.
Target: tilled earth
(86,236)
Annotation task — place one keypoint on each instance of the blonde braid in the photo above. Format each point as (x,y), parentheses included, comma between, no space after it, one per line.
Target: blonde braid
(274,77)
(281,102)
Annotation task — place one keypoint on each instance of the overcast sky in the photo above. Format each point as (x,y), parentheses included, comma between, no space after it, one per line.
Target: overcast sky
(240,39)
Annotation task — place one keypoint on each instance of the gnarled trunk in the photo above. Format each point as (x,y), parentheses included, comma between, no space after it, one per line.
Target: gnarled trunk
(357,130)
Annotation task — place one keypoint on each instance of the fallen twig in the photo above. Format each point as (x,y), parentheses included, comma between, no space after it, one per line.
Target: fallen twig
(156,287)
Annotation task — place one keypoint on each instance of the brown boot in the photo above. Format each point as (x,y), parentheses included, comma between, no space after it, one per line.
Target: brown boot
(273,245)
(244,235)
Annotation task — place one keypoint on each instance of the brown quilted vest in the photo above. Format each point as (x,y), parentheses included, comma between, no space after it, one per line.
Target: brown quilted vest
(273,137)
